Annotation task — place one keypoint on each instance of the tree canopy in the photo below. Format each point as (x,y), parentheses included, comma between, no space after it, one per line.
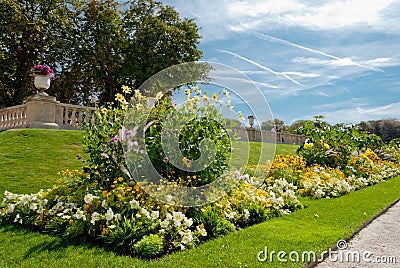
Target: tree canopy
(94,46)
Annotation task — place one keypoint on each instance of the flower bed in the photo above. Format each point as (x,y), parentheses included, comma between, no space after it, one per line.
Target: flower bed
(105,205)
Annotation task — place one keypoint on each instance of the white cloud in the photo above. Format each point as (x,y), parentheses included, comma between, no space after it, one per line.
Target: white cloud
(384,62)
(345,13)
(218,18)
(355,114)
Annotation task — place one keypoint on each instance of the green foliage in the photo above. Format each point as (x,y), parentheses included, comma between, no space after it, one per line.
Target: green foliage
(191,138)
(150,246)
(214,224)
(332,145)
(102,143)
(28,30)
(275,124)
(127,232)
(157,38)
(92,46)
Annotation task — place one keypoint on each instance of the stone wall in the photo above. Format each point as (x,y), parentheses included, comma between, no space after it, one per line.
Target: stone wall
(252,134)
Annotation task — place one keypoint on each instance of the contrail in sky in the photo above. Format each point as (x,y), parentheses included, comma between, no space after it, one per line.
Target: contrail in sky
(261,66)
(285,42)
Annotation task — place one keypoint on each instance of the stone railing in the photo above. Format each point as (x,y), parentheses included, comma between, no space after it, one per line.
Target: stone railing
(252,134)
(42,111)
(13,117)
(72,116)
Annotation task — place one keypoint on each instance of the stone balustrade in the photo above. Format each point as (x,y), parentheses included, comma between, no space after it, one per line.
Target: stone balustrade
(253,134)
(72,116)
(13,117)
(42,111)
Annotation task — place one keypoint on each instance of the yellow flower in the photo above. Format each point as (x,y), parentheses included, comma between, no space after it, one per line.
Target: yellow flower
(104,110)
(240,115)
(126,89)
(308,146)
(119,97)
(230,106)
(205,98)
(187,93)
(196,100)
(226,93)
(189,104)
(197,90)
(138,95)
(187,162)
(326,146)
(214,96)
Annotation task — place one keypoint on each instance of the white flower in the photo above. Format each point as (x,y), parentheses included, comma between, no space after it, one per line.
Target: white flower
(146,213)
(17,218)
(52,211)
(164,224)
(187,239)
(79,215)
(182,247)
(159,95)
(104,204)
(177,223)
(246,214)
(33,206)
(168,217)
(230,215)
(236,173)
(88,198)
(178,216)
(117,216)
(24,198)
(188,222)
(155,215)
(134,204)
(201,230)
(40,210)
(66,217)
(109,214)
(95,217)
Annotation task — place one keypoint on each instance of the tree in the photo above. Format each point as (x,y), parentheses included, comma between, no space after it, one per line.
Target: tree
(157,38)
(95,46)
(387,129)
(276,123)
(32,32)
(295,125)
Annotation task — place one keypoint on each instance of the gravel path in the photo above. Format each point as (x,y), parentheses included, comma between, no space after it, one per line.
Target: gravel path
(377,245)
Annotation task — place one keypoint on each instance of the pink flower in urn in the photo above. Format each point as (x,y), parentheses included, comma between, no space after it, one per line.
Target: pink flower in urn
(43,70)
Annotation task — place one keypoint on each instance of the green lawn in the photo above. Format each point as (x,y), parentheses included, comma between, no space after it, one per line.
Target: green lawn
(31,158)
(317,227)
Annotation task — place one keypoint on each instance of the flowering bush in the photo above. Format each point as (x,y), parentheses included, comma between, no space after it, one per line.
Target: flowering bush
(43,70)
(332,146)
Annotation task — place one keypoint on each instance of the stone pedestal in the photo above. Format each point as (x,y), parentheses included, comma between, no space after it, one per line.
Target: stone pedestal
(41,111)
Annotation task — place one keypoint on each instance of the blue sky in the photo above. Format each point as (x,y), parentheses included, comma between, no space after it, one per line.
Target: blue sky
(340,59)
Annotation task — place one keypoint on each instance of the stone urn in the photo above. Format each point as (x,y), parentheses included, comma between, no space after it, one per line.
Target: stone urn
(42,83)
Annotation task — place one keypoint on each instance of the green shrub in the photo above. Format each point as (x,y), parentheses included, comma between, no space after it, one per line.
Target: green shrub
(150,246)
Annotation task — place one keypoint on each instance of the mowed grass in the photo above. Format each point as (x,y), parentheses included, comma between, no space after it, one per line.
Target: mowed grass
(31,158)
(317,227)
(254,153)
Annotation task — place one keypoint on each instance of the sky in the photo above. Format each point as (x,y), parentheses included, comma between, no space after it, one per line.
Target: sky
(340,59)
